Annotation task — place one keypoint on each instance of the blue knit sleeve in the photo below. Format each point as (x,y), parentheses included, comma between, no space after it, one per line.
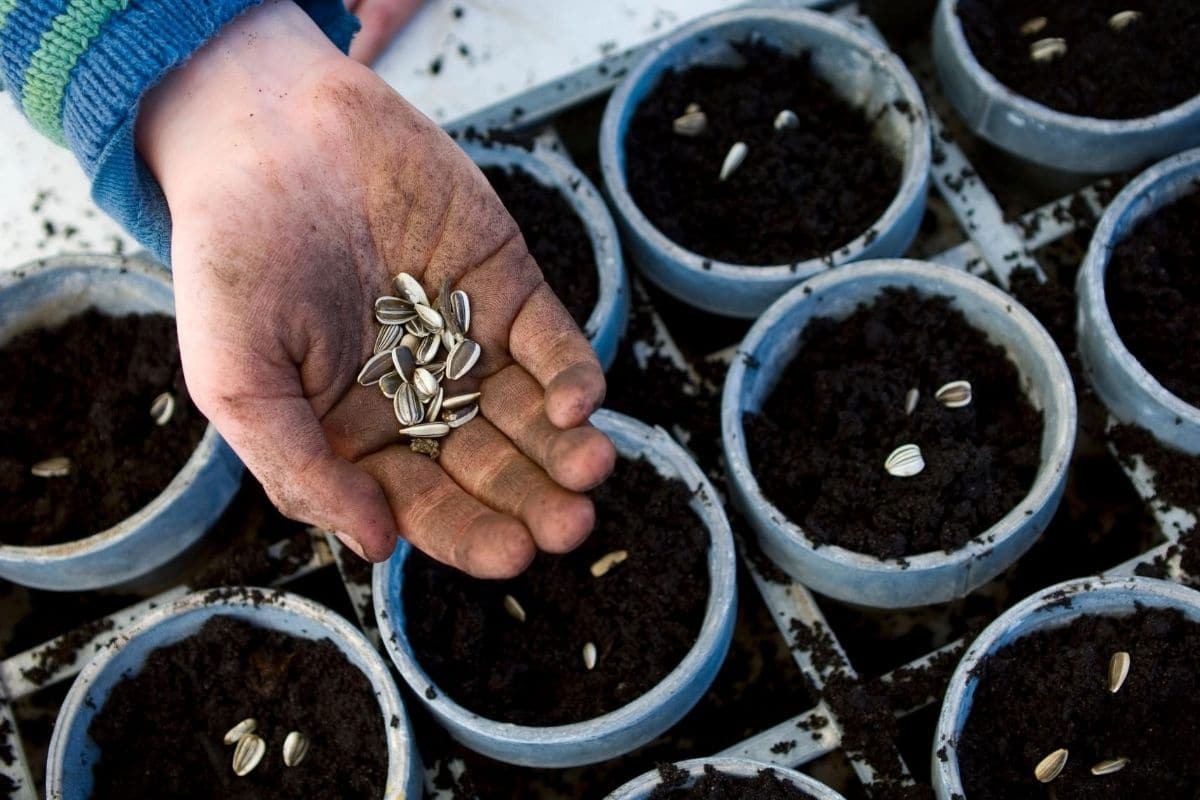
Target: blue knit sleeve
(78,70)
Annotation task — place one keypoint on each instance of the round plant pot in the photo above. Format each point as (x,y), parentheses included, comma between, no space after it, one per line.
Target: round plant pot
(632,725)
(1127,389)
(45,294)
(925,578)
(606,324)
(640,787)
(1053,607)
(73,754)
(858,70)
(1041,134)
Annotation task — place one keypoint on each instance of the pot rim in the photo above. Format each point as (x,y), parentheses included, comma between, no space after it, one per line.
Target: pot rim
(640,787)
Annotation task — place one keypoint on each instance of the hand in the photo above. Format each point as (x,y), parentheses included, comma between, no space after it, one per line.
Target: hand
(381,21)
(299,184)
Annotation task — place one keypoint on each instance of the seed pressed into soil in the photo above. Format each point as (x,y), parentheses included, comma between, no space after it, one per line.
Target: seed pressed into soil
(1049,690)
(1152,287)
(717,785)
(555,235)
(1147,67)
(819,444)
(643,615)
(84,391)
(802,192)
(160,732)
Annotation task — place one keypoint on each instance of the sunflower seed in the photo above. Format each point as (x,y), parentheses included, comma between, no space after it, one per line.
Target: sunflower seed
(427,430)
(389,336)
(1045,50)
(459,400)
(376,367)
(954,394)
(163,408)
(786,120)
(407,406)
(416,327)
(393,317)
(235,734)
(1123,19)
(435,405)
(603,565)
(410,341)
(905,461)
(427,350)
(404,363)
(589,656)
(1118,670)
(450,339)
(461,416)
(425,384)
(690,123)
(910,400)
(393,304)
(295,748)
(390,384)
(250,750)
(437,369)
(1109,766)
(733,159)
(409,288)
(1032,26)
(57,467)
(514,608)
(1049,767)
(430,318)
(460,310)
(461,359)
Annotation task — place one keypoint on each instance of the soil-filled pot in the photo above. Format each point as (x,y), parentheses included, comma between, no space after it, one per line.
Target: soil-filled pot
(860,408)
(1104,62)
(736,776)
(55,296)
(1139,290)
(230,655)
(1086,689)
(568,229)
(793,197)
(590,655)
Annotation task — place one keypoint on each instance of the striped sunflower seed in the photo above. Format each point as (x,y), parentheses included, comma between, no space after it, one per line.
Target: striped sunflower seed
(390,384)
(461,359)
(589,656)
(248,753)
(411,341)
(450,339)
(460,311)
(425,384)
(430,318)
(427,350)
(407,406)
(1123,19)
(1118,670)
(460,416)
(786,120)
(393,311)
(1051,766)
(1109,766)
(1033,26)
(410,289)
(437,369)
(416,327)
(733,159)
(601,567)
(426,430)
(404,363)
(691,123)
(905,461)
(235,734)
(376,367)
(295,748)
(954,394)
(1046,50)
(459,400)
(389,336)
(163,408)
(435,404)
(513,608)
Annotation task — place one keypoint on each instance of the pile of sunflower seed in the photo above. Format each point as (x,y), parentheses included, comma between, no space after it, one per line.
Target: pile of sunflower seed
(249,747)
(421,344)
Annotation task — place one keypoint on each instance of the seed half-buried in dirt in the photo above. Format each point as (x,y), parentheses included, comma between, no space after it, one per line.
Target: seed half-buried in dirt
(690,124)
(1109,766)
(1123,19)
(57,467)
(1033,26)
(249,752)
(514,608)
(1118,670)
(786,120)
(295,748)
(1046,50)
(1051,766)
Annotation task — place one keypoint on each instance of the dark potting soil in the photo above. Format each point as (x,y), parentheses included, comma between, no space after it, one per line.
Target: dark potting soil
(160,732)
(715,785)
(1049,690)
(84,391)
(819,444)
(556,237)
(1176,474)
(1145,68)
(800,193)
(1152,287)
(643,615)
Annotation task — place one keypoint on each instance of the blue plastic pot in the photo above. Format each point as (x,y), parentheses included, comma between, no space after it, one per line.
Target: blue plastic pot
(858,69)
(641,787)
(1045,610)
(606,324)
(1041,134)
(926,578)
(46,294)
(632,725)
(1127,389)
(73,754)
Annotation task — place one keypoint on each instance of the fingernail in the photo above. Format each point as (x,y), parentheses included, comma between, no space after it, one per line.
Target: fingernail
(349,542)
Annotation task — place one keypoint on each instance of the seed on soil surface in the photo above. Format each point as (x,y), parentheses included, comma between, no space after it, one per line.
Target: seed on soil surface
(425,384)
(376,367)
(954,394)
(786,119)
(163,408)
(1049,767)
(603,565)
(57,467)
(458,417)
(514,608)
(460,310)
(910,400)
(1123,19)
(1048,49)
(1118,670)
(905,461)
(250,750)
(410,289)
(427,350)
(733,159)
(1109,766)
(235,734)
(295,748)
(691,123)
(389,336)
(390,384)
(459,400)
(404,363)
(407,406)
(589,656)
(430,317)
(435,405)
(461,359)
(426,430)
(1033,26)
